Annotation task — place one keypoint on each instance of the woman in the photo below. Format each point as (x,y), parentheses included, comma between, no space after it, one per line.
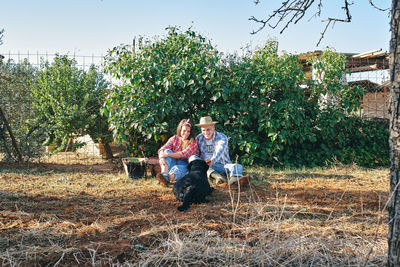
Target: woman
(175,153)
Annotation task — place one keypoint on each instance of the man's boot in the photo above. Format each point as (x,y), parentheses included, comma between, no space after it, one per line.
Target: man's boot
(243,181)
(213,175)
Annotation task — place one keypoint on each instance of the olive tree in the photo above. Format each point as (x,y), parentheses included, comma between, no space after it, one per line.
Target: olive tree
(70,100)
(21,134)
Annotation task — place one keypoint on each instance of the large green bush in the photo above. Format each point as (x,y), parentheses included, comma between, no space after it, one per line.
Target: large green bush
(264,105)
(272,114)
(167,80)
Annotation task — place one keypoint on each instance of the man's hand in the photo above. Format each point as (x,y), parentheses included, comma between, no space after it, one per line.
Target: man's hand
(209,162)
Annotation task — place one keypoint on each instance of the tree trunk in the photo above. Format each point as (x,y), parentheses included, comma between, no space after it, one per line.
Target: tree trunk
(107,148)
(13,141)
(394,140)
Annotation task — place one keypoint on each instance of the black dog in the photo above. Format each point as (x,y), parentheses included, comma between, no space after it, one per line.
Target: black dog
(194,186)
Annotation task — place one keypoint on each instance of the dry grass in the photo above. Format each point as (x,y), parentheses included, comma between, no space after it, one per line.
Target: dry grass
(310,217)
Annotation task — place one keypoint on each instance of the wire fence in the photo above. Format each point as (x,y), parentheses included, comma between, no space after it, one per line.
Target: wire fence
(370,70)
(83,62)
(35,59)
(376,101)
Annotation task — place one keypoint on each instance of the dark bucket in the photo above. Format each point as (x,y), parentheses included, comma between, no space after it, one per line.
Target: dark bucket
(135,167)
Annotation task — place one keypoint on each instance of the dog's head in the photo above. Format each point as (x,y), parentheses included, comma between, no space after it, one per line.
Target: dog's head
(198,165)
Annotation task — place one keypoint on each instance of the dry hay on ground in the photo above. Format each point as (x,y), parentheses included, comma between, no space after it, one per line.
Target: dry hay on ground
(320,217)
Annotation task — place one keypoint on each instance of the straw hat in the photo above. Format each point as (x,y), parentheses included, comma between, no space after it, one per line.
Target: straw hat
(206,121)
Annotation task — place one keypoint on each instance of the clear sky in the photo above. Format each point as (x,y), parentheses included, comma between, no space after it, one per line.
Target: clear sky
(87,27)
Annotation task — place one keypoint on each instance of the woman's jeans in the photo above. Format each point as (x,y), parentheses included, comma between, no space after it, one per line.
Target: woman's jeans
(177,166)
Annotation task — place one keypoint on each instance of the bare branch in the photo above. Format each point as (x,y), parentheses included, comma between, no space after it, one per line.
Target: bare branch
(318,13)
(347,10)
(323,33)
(258,21)
(374,6)
(292,11)
(334,20)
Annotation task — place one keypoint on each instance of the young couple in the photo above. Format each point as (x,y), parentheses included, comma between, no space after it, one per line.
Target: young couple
(210,146)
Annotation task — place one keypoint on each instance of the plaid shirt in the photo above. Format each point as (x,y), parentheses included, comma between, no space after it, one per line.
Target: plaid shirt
(175,144)
(220,144)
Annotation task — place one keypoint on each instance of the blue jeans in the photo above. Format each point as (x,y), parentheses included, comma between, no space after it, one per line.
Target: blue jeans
(230,169)
(176,166)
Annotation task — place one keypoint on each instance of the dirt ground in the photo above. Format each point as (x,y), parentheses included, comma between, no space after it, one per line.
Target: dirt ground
(68,215)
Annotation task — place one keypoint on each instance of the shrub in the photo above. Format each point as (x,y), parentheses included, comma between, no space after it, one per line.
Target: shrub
(364,142)
(345,139)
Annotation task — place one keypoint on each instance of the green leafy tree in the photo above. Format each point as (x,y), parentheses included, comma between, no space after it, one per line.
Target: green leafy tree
(265,109)
(70,102)
(166,80)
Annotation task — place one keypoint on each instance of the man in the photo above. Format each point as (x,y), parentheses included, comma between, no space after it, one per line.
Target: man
(213,148)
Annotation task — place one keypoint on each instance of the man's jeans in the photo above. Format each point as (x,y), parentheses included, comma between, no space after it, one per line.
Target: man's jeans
(177,166)
(229,169)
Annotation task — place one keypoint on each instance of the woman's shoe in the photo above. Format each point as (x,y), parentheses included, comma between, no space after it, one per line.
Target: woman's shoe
(163,178)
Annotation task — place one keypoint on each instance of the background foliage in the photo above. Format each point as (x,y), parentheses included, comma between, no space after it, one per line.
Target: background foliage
(272,114)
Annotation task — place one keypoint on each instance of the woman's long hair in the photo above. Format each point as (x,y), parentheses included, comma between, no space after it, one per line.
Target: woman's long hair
(192,135)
